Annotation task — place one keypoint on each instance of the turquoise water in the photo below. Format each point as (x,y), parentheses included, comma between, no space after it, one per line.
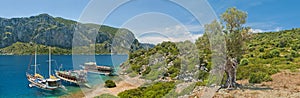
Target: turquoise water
(13,82)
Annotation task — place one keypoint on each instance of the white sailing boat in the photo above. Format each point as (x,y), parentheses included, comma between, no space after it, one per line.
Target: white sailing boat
(37,80)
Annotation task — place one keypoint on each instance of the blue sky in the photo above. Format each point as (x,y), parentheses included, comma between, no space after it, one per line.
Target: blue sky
(266,15)
(161,16)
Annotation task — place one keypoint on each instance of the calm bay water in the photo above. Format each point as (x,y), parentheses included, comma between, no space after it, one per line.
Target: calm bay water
(13,82)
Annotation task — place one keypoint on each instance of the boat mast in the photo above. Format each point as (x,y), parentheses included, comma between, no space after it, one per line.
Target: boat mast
(35,60)
(49,62)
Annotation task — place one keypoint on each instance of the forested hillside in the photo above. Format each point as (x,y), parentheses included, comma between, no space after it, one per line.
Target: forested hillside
(51,31)
(266,54)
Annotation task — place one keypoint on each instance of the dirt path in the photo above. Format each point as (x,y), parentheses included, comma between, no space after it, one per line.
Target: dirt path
(284,85)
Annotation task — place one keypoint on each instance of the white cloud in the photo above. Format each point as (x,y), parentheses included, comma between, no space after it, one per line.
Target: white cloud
(175,33)
(256,30)
(259,27)
(266,30)
(153,39)
(157,27)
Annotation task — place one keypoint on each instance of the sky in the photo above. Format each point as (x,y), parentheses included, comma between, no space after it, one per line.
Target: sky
(154,21)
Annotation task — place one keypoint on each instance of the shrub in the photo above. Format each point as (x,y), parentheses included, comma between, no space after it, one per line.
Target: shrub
(148,69)
(281,49)
(136,68)
(276,62)
(275,53)
(203,75)
(282,44)
(173,71)
(203,83)
(244,61)
(295,47)
(243,72)
(265,56)
(177,63)
(251,55)
(106,96)
(261,49)
(251,49)
(110,84)
(259,77)
(294,53)
(156,90)
(289,58)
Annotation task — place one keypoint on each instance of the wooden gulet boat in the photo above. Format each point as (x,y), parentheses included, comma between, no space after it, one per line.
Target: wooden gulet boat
(92,67)
(37,80)
(78,77)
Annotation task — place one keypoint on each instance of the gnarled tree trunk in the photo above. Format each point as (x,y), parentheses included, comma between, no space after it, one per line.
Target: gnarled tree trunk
(230,70)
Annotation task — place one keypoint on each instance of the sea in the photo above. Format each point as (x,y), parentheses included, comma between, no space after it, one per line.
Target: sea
(13,68)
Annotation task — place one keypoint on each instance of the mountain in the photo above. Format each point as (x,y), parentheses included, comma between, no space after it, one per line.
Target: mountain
(46,30)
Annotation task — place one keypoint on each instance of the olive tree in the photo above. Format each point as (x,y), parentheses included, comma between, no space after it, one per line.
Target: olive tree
(235,35)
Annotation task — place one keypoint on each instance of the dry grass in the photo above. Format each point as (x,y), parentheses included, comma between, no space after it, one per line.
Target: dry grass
(284,85)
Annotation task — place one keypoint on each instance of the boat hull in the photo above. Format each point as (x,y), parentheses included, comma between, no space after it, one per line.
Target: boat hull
(38,83)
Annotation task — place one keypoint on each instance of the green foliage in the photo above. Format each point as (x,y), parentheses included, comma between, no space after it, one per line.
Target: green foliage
(106,96)
(276,62)
(57,32)
(205,52)
(136,68)
(244,72)
(110,84)
(141,57)
(244,61)
(259,77)
(295,47)
(66,22)
(153,75)
(261,49)
(265,55)
(275,53)
(237,35)
(156,90)
(288,66)
(234,18)
(271,54)
(29,49)
(281,44)
(289,58)
(203,75)
(148,69)
(294,53)
(204,83)
(173,71)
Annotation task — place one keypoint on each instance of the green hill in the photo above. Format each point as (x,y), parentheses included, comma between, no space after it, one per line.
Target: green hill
(270,52)
(57,32)
(267,52)
(26,49)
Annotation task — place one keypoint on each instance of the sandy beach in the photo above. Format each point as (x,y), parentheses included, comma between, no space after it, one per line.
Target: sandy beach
(125,84)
